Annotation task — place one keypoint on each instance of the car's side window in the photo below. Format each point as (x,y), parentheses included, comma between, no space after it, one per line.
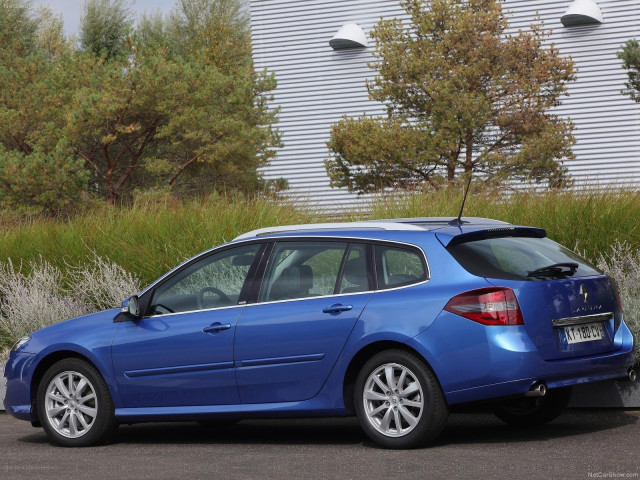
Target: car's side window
(399,266)
(214,281)
(302,269)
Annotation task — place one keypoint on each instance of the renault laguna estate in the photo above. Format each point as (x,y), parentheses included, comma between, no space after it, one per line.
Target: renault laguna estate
(393,321)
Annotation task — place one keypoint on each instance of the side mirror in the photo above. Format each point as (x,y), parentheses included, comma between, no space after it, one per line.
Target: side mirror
(131,306)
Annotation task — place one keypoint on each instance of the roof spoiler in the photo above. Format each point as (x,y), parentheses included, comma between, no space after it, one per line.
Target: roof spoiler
(449,240)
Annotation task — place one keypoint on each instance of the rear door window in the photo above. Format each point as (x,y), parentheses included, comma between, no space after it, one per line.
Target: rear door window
(302,269)
(520,258)
(355,277)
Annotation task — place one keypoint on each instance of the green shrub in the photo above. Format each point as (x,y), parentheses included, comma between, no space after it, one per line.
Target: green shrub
(41,182)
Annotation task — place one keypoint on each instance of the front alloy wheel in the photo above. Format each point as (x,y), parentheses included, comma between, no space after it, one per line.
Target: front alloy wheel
(398,400)
(74,404)
(71,404)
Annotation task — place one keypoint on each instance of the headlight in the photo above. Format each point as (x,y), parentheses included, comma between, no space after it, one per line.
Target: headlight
(20,343)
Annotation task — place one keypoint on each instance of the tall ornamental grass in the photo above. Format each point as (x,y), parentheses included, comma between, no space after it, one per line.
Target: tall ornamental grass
(97,258)
(148,238)
(590,222)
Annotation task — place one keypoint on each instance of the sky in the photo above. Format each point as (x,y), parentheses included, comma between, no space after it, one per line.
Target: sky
(72,9)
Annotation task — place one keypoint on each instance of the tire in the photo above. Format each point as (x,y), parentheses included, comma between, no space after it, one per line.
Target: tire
(74,405)
(398,400)
(532,411)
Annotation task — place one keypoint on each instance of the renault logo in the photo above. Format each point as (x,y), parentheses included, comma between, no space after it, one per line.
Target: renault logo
(584,293)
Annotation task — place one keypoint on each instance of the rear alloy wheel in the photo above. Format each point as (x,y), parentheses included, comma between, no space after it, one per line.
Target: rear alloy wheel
(532,411)
(74,404)
(398,400)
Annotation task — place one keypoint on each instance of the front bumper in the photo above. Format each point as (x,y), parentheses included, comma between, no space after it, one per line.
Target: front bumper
(19,371)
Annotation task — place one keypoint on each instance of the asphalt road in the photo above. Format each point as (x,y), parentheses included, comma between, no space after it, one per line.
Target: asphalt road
(581,444)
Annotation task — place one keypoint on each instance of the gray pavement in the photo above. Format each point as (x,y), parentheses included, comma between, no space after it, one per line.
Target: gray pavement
(580,444)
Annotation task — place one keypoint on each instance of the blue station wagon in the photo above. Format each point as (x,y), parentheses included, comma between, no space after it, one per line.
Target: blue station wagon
(393,321)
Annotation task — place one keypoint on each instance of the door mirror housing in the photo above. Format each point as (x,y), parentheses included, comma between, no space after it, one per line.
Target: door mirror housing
(131,306)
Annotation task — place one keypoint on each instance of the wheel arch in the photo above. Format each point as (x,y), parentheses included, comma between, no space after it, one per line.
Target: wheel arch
(44,365)
(361,357)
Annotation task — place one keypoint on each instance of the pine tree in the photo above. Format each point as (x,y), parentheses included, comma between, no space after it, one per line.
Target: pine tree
(461,95)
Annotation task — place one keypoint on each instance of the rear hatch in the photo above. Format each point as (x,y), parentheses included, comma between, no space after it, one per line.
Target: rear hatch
(569,307)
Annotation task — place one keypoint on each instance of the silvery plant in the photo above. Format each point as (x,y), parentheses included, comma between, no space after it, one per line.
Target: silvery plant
(45,295)
(622,263)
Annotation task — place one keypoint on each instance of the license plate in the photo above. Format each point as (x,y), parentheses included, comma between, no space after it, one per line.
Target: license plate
(588,332)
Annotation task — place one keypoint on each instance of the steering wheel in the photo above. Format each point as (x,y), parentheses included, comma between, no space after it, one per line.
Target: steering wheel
(223,296)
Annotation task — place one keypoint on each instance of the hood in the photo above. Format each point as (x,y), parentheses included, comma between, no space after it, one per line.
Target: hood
(87,331)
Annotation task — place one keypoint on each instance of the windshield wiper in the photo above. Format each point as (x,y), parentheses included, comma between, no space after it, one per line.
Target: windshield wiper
(557,270)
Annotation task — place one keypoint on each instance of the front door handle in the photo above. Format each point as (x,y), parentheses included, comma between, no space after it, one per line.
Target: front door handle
(337,308)
(216,327)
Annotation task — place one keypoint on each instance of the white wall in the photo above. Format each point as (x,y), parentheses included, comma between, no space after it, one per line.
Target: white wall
(317,86)
(607,123)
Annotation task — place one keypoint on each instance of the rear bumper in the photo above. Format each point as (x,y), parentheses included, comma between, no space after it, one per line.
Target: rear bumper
(553,377)
(491,362)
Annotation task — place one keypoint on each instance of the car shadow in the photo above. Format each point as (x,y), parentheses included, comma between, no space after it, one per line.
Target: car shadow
(474,428)
(333,431)
(461,428)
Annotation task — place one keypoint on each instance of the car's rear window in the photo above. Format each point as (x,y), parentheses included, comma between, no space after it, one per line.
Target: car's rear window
(520,258)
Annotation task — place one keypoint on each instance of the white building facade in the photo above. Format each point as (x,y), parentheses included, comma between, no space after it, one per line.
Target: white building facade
(317,85)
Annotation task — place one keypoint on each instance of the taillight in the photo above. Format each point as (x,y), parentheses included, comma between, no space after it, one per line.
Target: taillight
(488,306)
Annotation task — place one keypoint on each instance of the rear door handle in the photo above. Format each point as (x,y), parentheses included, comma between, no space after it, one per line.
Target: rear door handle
(216,327)
(337,308)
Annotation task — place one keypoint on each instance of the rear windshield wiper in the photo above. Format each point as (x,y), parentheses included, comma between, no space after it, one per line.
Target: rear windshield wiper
(557,270)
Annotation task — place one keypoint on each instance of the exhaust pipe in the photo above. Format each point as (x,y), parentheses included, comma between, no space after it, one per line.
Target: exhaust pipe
(630,376)
(538,389)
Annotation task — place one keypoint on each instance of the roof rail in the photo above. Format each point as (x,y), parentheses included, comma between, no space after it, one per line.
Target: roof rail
(364,225)
(427,221)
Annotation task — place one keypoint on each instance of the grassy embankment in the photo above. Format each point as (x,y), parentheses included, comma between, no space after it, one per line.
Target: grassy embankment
(149,238)
(589,223)
(146,239)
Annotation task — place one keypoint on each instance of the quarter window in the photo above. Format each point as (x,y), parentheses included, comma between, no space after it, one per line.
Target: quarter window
(398,266)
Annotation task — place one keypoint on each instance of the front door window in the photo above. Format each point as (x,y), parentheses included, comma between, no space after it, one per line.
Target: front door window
(213,282)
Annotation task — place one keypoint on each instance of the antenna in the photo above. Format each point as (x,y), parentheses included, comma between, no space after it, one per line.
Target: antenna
(458,221)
